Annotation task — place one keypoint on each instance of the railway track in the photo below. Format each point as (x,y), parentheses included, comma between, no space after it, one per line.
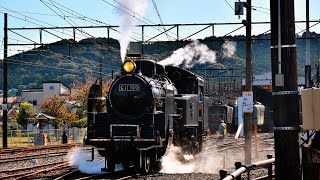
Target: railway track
(30,157)
(71,173)
(230,143)
(120,175)
(34,161)
(23,150)
(22,173)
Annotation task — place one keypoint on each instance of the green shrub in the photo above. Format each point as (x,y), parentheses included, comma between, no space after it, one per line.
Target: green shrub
(81,123)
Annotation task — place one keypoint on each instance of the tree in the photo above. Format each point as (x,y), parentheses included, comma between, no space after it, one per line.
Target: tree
(81,123)
(82,92)
(25,111)
(81,96)
(56,106)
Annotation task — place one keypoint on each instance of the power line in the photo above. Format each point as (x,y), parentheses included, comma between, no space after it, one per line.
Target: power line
(309,27)
(261,7)
(231,7)
(25,19)
(82,31)
(234,31)
(260,11)
(130,14)
(33,13)
(155,7)
(82,17)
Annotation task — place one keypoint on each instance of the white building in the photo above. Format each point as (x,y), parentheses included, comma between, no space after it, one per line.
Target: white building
(38,95)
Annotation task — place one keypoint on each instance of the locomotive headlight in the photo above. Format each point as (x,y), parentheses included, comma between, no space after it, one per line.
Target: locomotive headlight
(129,66)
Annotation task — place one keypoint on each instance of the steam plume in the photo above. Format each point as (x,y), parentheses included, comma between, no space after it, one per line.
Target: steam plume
(229,48)
(191,54)
(174,161)
(79,158)
(129,10)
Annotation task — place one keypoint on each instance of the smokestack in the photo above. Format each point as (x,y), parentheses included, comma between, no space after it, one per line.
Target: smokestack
(133,57)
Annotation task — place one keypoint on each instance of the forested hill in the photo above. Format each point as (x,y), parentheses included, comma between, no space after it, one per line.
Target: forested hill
(70,61)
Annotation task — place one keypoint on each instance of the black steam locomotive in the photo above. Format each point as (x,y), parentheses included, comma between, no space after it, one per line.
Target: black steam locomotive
(147,108)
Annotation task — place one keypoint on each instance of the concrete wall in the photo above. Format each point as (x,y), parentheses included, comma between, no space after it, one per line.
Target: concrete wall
(31,96)
(50,89)
(40,95)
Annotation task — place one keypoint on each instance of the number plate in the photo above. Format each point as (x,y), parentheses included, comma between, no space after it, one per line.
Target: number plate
(129,87)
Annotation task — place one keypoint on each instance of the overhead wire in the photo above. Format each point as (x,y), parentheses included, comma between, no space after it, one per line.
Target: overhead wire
(65,16)
(82,31)
(29,22)
(34,19)
(69,23)
(83,17)
(158,13)
(141,20)
(33,13)
(232,8)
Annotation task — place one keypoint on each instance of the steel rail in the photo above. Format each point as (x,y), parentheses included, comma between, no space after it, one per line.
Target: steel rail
(243,169)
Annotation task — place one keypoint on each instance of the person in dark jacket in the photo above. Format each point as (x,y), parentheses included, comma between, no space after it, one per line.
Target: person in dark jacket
(315,142)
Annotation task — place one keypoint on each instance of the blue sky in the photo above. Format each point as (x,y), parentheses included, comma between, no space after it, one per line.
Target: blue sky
(171,11)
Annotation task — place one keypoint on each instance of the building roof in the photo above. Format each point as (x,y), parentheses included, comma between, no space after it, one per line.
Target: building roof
(56,82)
(43,117)
(9,99)
(33,90)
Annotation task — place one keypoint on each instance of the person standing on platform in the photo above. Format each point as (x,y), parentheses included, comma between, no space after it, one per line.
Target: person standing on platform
(64,134)
(222,130)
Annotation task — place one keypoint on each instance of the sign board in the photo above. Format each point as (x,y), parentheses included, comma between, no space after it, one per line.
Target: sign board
(240,119)
(279,80)
(310,99)
(238,8)
(247,101)
(4,107)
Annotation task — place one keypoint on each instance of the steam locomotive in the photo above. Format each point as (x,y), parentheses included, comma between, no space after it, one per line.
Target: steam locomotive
(148,108)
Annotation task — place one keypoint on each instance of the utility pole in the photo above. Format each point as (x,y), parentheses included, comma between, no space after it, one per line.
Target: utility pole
(318,78)
(100,78)
(248,116)
(285,90)
(5,85)
(307,64)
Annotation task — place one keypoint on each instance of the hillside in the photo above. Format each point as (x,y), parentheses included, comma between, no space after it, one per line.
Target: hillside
(70,61)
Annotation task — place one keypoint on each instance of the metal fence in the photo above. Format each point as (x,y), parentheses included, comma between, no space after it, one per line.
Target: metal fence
(18,138)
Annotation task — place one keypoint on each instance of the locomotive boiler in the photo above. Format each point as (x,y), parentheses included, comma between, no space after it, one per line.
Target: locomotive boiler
(147,108)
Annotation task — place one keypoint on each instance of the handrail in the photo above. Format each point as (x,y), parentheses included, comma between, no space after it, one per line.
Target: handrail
(244,168)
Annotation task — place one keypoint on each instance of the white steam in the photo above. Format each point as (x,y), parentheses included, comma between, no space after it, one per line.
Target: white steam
(79,159)
(229,48)
(174,161)
(191,54)
(129,12)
